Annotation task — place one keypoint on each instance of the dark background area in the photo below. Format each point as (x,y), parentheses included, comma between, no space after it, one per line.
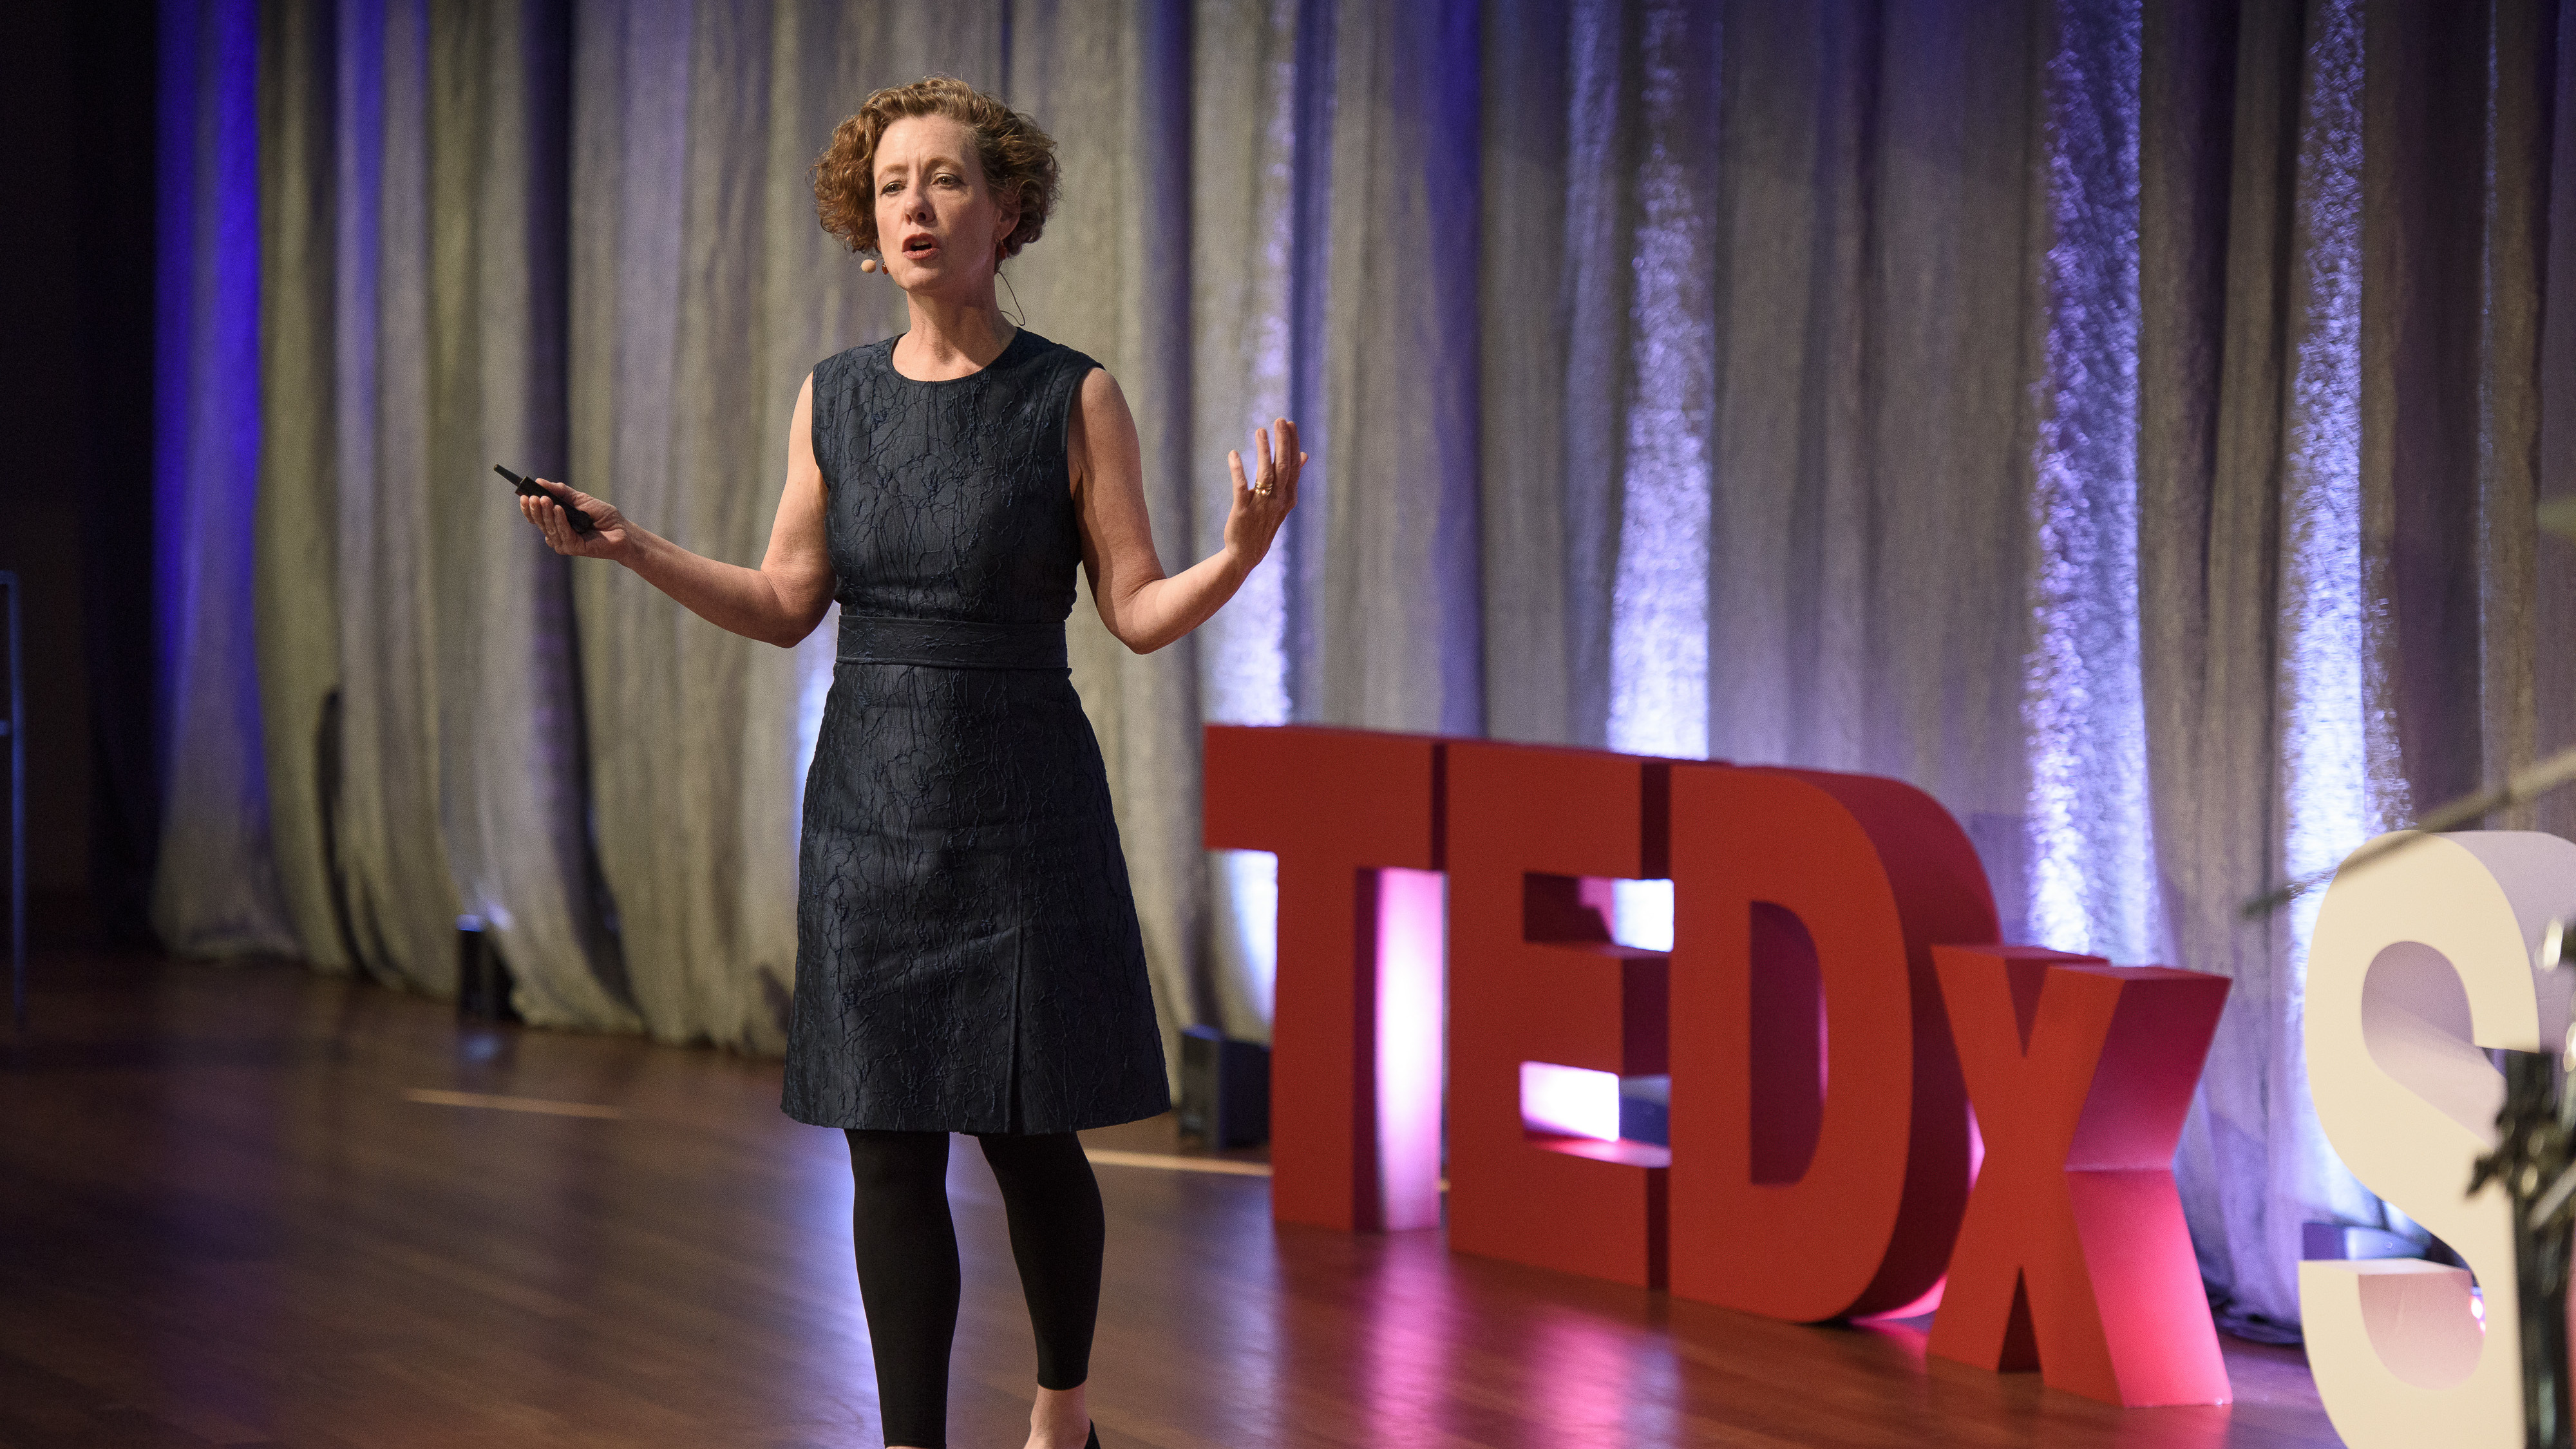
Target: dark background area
(77,86)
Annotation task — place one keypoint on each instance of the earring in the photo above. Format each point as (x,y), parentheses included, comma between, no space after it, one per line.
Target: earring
(870,264)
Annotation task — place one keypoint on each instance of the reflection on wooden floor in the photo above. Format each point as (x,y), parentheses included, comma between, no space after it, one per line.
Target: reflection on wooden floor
(249,1206)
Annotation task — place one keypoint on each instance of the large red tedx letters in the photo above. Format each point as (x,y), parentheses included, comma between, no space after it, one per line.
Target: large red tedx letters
(1807,1189)
(1819,1162)
(2074,1259)
(1536,835)
(1338,807)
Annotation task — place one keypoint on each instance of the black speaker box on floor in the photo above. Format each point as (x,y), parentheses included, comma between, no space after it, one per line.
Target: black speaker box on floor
(1225,1089)
(483,983)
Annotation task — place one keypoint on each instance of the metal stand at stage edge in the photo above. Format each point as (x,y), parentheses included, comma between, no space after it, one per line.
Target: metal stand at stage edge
(2532,1162)
(2535,1154)
(14,726)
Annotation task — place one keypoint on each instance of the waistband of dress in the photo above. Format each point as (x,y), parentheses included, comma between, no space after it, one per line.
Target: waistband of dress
(951,643)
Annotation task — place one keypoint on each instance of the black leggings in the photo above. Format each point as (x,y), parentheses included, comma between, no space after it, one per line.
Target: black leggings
(907,1249)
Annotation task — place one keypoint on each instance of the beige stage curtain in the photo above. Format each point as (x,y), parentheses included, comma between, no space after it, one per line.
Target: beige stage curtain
(420,696)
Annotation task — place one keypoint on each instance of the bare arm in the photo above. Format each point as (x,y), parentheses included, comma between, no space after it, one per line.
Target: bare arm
(778,603)
(1142,607)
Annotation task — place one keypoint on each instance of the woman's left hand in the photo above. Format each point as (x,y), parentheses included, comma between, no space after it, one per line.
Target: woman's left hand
(1261,502)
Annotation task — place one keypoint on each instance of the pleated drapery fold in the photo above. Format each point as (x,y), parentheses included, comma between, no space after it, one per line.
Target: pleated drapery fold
(420,683)
(216,890)
(2121,420)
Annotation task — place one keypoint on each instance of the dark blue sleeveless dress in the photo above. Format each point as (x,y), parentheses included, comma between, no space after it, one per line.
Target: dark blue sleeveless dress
(967,955)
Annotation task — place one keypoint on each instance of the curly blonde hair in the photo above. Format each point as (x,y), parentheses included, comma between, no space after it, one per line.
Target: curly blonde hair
(1018,158)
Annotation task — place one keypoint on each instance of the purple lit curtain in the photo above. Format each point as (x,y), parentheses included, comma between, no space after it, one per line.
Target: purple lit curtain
(2121,419)
(217,887)
(422,703)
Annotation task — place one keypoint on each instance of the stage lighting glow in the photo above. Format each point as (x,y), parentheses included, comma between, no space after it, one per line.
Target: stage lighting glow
(1412,940)
(1641,914)
(1659,597)
(814,659)
(1246,673)
(1247,889)
(1243,659)
(1606,1387)
(2332,730)
(2091,874)
(1570,1101)
(2338,748)
(1398,1344)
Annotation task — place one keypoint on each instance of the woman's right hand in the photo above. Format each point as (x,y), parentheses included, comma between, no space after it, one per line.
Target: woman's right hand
(1261,502)
(610,538)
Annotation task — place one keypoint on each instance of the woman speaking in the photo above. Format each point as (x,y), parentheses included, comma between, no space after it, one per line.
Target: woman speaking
(967,952)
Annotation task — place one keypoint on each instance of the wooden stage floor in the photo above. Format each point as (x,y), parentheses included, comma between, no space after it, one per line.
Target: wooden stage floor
(223,1221)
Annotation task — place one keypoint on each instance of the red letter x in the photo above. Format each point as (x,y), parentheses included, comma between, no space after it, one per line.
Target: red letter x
(2073,1255)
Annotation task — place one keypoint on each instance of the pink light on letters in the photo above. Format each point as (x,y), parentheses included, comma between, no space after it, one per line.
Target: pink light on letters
(1412,946)
(1570,1101)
